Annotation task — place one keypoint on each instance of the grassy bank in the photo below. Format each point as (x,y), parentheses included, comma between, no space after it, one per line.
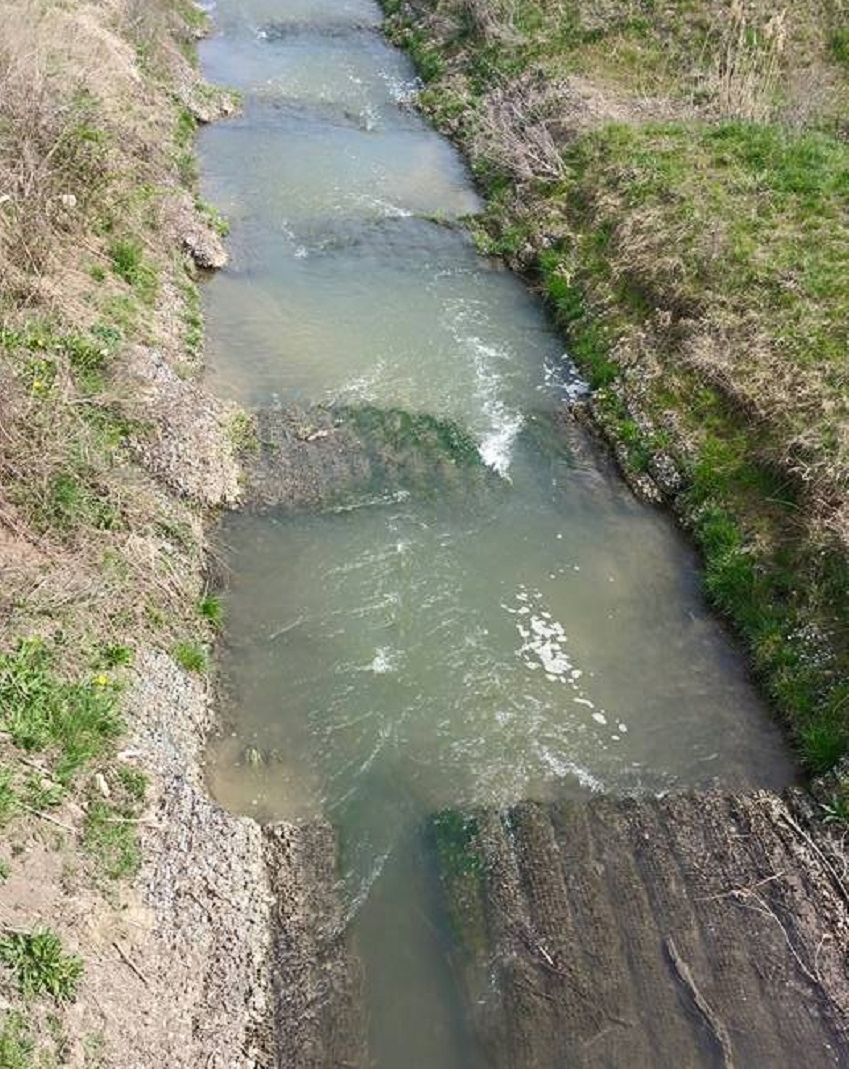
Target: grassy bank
(674,178)
(99,556)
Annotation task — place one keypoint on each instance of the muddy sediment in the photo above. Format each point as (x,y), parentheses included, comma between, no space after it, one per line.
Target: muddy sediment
(700,930)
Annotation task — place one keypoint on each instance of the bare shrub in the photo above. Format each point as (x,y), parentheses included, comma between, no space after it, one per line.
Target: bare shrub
(490,20)
(514,130)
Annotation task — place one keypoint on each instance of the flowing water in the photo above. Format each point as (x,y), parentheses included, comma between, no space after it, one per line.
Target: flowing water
(541,636)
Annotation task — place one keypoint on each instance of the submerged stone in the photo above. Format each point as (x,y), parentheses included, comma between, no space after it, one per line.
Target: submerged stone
(335,456)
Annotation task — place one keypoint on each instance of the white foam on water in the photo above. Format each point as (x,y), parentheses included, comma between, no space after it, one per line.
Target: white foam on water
(496,443)
(386,208)
(562,375)
(385,661)
(562,767)
(496,449)
(544,646)
(401,90)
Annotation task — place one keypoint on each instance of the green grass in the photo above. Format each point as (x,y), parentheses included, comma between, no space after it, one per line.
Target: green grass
(16,1045)
(213,217)
(241,430)
(116,655)
(191,656)
(72,498)
(758,218)
(110,837)
(39,965)
(110,832)
(211,608)
(184,134)
(129,263)
(74,721)
(9,801)
(839,43)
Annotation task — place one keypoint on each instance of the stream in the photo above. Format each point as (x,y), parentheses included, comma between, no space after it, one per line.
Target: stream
(542,635)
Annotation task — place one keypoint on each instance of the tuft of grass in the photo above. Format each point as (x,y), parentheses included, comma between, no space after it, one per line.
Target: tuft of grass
(211,608)
(184,140)
(839,44)
(110,837)
(241,431)
(39,793)
(129,264)
(132,782)
(70,500)
(823,742)
(116,655)
(39,965)
(836,810)
(9,802)
(213,217)
(191,656)
(110,833)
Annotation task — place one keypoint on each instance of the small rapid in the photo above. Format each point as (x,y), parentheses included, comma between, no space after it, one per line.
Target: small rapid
(536,634)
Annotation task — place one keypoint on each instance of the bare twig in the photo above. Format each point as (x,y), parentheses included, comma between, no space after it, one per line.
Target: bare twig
(130,963)
(49,818)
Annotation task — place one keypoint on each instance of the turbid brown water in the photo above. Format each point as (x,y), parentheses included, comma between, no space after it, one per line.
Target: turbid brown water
(401,648)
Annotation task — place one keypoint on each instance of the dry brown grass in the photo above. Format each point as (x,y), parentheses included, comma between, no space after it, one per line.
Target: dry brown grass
(87,166)
(746,62)
(54,168)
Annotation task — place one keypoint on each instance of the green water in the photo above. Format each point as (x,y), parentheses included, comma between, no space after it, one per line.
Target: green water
(544,635)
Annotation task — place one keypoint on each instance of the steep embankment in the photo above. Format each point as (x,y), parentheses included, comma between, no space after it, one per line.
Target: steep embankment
(137,918)
(674,178)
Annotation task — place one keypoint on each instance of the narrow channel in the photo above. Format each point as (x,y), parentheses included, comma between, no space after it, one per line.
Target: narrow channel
(537,633)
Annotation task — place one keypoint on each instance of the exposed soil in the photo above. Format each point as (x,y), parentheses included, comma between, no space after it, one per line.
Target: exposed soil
(693,930)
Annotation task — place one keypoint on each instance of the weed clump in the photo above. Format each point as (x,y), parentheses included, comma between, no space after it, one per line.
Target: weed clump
(191,656)
(16,1045)
(211,608)
(129,264)
(39,965)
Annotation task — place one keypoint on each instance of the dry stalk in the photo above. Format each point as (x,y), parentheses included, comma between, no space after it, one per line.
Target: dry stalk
(748,63)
